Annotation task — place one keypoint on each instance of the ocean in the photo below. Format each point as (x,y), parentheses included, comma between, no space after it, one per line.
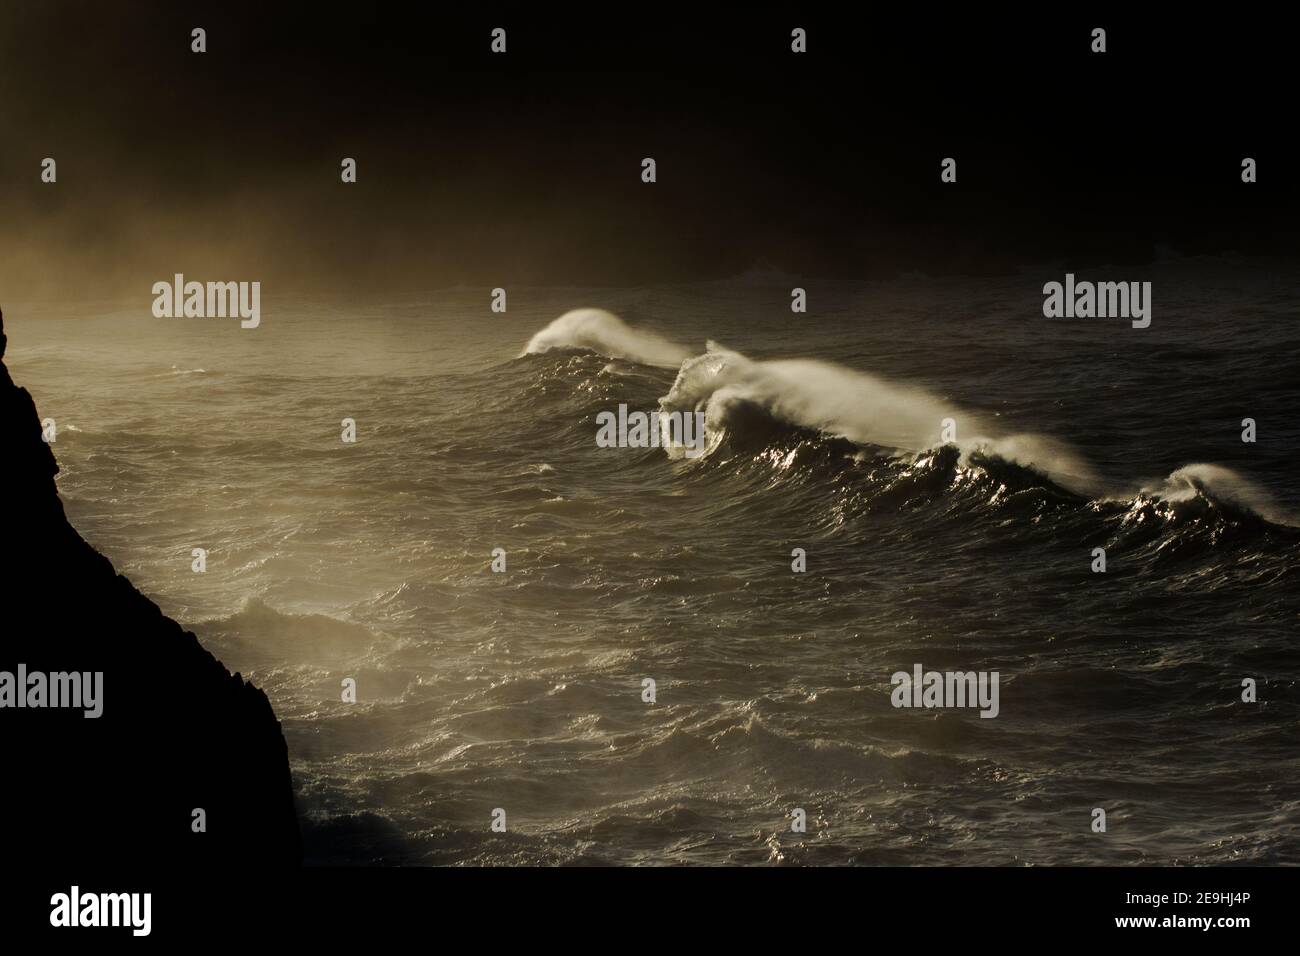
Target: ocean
(524,690)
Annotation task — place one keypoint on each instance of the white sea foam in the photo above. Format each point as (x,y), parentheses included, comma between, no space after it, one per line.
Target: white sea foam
(866,409)
(863,408)
(607,334)
(1222,484)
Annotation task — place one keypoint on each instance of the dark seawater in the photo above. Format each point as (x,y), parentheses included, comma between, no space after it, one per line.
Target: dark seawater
(523,690)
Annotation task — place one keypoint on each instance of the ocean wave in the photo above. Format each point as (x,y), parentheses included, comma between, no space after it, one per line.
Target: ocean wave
(1202,482)
(862,408)
(607,334)
(264,634)
(818,415)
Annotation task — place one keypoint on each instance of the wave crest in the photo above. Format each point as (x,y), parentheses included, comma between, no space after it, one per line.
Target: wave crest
(749,403)
(863,408)
(1219,484)
(607,334)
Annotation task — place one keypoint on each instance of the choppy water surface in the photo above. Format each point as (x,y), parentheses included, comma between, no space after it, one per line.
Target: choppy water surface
(523,690)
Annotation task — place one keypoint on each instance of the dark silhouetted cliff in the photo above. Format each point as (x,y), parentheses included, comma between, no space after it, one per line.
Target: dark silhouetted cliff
(178,731)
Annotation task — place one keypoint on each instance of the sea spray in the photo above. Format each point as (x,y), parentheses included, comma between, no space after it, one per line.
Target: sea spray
(871,411)
(607,334)
(863,408)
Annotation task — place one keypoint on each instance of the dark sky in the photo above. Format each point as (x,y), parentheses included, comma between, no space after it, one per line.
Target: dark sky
(525,168)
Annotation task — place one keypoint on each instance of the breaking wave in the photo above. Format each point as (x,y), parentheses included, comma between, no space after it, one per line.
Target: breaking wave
(861,408)
(606,334)
(748,401)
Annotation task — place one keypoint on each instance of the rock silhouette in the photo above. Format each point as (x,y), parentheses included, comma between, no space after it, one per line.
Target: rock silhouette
(177,733)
